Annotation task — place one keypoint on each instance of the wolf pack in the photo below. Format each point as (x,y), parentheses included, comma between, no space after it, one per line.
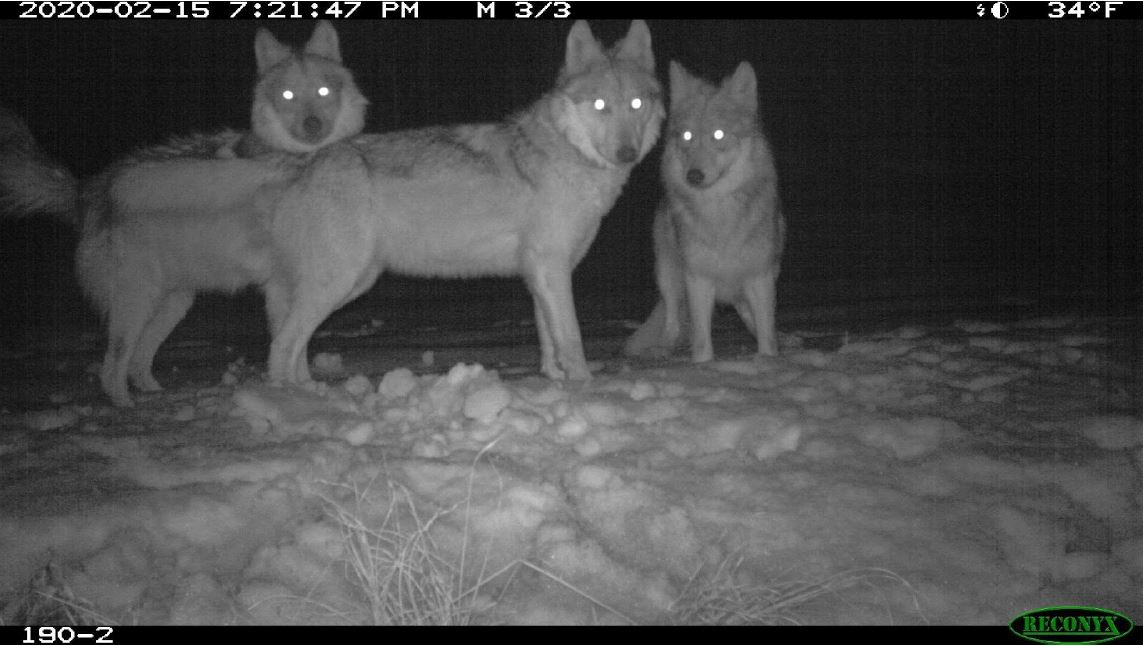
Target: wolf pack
(311,211)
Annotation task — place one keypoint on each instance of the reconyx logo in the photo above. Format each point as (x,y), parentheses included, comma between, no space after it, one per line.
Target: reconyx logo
(1071,625)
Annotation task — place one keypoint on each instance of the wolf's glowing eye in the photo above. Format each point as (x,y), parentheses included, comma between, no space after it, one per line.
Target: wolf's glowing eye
(323,91)
(687,135)
(599,104)
(636,104)
(718,134)
(288,95)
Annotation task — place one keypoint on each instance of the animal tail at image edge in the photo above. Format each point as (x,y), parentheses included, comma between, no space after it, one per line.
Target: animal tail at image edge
(31,183)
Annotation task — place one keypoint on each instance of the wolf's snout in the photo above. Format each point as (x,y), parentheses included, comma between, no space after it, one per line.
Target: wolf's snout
(695,177)
(627,154)
(312,126)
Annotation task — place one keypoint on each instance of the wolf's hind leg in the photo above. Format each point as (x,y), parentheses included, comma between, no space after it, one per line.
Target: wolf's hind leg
(646,340)
(171,309)
(747,316)
(131,307)
(310,306)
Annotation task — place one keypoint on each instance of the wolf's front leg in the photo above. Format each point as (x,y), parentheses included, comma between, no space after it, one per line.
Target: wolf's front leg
(277,296)
(701,305)
(669,278)
(760,293)
(548,365)
(562,353)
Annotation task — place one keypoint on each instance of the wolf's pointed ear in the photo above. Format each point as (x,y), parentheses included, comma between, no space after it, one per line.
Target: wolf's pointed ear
(268,52)
(324,42)
(680,81)
(743,86)
(583,49)
(636,46)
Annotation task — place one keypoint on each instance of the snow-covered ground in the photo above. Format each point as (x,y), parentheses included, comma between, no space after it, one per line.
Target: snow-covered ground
(955,473)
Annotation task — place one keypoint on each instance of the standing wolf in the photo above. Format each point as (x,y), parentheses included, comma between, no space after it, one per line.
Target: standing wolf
(719,230)
(521,197)
(172,220)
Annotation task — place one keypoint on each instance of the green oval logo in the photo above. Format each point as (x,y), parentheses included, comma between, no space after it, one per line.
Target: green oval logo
(1071,625)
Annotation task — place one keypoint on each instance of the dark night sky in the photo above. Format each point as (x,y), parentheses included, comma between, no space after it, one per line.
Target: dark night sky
(963,160)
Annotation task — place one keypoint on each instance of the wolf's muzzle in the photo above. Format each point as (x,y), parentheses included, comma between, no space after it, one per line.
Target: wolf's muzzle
(313,127)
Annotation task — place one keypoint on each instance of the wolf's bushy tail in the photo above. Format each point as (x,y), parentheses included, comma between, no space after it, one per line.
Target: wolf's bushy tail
(650,339)
(31,182)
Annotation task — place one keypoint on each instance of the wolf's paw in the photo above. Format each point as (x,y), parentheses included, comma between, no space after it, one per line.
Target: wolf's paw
(769,348)
(552,371)
(115,388)
(121,399)
(572,371)
(146,383)
(658,352)
(578,373)
(648,347)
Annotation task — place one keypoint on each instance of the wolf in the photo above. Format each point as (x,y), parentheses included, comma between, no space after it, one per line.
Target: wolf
(303,100)
(719,230)
(190,224)
(164,225)
(172,220)
(524,197)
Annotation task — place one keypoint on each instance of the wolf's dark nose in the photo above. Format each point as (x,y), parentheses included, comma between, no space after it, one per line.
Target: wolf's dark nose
(695,177)
(627,154)
(313,126)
